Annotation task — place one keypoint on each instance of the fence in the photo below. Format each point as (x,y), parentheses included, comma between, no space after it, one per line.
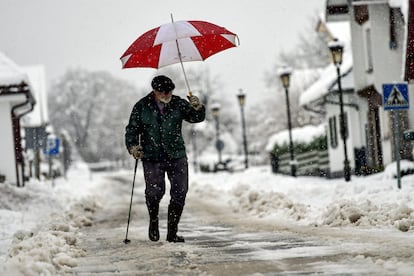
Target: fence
(308,163)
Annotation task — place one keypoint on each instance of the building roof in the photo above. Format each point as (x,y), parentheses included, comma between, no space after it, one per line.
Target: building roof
(327,82)
(342,31)
(37,81)
(10,73)
(13,84)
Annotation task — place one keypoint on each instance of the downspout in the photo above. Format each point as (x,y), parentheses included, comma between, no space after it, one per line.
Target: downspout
(316,111)
(353,105)
(23,88)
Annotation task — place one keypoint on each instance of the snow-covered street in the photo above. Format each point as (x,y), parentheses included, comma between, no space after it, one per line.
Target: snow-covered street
(234,223)
(219,243)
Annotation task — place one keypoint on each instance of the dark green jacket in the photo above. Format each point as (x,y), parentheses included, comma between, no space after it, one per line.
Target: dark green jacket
(161,136)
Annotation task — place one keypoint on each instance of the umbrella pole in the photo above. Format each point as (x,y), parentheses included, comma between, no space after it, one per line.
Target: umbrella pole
(185,75)
(181,61)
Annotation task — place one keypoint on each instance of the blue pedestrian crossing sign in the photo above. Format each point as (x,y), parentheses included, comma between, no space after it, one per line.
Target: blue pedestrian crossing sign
(395,96)
(52,146)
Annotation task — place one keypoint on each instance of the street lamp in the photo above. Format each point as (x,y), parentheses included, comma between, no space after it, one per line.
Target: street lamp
(284,74)
(215,109)
(336,49)
(241,97)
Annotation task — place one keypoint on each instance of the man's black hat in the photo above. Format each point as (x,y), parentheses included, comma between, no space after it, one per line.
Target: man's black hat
(162,84)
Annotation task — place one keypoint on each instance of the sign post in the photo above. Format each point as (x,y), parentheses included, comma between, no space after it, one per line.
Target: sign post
(52,149)
(395,98)
(36,140)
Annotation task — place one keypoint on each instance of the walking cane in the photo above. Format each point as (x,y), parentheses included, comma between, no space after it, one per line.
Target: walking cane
(126,241)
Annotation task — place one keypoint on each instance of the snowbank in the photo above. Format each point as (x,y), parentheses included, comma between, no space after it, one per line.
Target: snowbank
(41,222)
(371,202)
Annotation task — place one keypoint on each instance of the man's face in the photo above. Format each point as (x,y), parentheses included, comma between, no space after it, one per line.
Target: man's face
(164,97)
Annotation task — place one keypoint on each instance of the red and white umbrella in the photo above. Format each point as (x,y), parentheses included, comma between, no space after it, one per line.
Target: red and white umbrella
(178,42)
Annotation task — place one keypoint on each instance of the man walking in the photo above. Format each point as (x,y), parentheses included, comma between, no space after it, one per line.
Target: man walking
(157,119)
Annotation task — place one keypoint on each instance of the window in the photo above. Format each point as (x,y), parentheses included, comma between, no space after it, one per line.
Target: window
(393,36)
(333,137)
(368,51)
(361,14)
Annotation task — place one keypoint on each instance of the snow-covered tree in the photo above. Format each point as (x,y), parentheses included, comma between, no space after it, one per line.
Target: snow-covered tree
(208,88)
(94,108)
(306,60)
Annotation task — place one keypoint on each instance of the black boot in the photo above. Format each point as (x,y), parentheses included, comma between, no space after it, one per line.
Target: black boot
(153,232)
(174,215)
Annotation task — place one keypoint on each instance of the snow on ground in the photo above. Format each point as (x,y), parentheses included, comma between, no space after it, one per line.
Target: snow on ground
(373,201)
(41,222)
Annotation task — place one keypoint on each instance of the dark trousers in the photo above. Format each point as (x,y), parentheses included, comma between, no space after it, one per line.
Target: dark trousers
(154,174)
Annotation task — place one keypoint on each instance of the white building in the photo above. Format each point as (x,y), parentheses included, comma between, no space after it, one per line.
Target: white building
(374,54)
(16,100)
(37,80)
(409,58)
(35,125)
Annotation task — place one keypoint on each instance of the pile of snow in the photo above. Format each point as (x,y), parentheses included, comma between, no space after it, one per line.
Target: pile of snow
(50,248)
(40,223)
(372,202)
(406,167)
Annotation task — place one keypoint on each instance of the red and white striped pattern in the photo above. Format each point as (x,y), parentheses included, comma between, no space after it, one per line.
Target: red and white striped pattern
(197,40)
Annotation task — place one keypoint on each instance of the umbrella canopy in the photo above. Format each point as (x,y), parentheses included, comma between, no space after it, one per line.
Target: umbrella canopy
(176,42)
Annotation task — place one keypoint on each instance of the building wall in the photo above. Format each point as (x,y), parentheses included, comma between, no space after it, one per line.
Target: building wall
(386,63)
(387,134)
(37,80)
(411,110)
(336,154)
(7,163)
(359,119)
(388,66)
(361,78)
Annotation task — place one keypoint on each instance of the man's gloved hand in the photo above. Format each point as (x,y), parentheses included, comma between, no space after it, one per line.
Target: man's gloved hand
(136,151)
(195,102)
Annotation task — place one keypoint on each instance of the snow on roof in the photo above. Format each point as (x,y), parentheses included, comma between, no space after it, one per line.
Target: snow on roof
(299,135)
(342,31)
(328,78)
(10,73)
(402,4)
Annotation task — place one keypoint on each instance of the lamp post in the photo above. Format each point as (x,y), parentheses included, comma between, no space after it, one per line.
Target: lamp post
(336,49)
(284,74)
(241,97)
(215,109)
